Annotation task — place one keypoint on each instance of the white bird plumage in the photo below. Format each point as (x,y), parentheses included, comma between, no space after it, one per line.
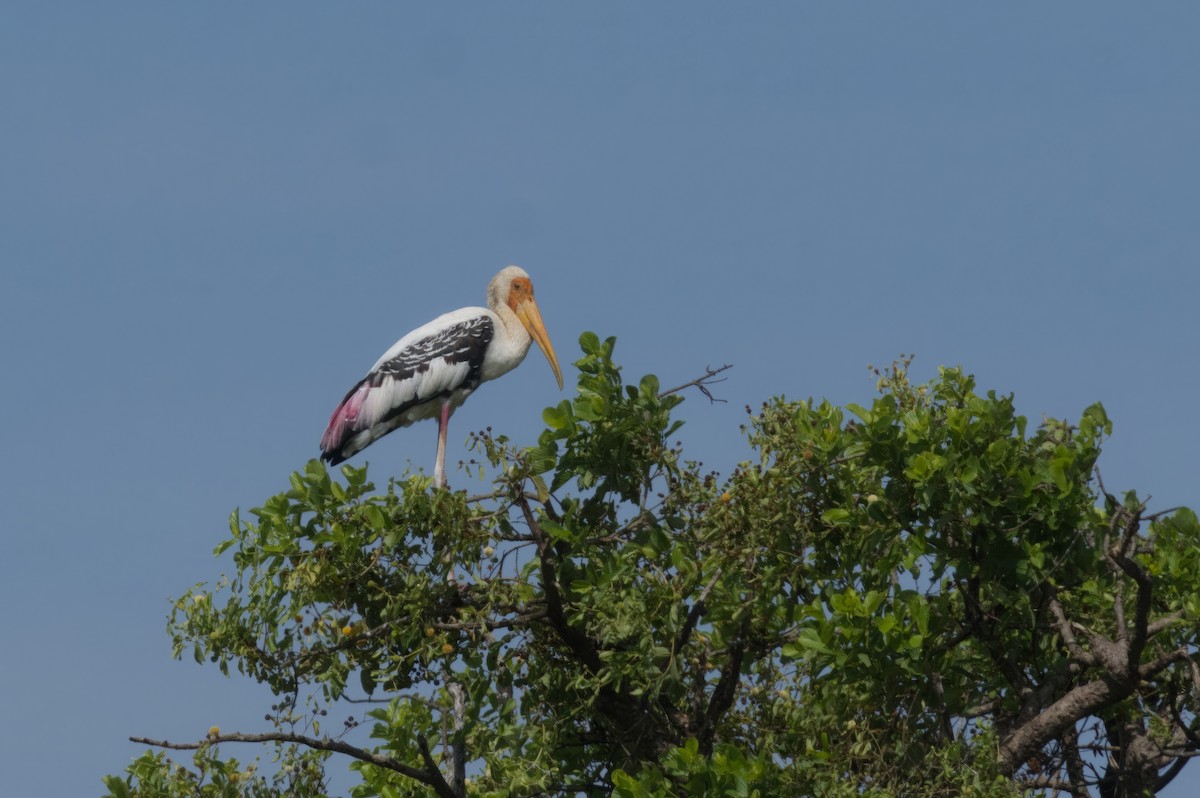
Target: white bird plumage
(433,369)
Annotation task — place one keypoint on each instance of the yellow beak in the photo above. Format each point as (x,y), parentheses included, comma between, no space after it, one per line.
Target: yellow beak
(531,317)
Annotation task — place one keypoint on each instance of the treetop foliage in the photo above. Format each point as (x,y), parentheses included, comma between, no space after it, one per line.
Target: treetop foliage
(923,597)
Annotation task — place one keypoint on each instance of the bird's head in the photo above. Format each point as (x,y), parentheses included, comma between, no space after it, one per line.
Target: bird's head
(512,287)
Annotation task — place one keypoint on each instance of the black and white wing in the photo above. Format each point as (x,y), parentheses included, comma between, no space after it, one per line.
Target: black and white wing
(436,363)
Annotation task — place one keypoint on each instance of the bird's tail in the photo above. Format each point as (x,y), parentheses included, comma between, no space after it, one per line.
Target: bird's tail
(338,442)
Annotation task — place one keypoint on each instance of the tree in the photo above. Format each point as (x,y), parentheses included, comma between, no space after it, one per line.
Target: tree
(919,598)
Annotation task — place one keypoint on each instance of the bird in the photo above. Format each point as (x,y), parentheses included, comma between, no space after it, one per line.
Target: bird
(433,369)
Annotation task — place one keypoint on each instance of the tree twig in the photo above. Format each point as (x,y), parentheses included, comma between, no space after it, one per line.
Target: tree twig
(701,382)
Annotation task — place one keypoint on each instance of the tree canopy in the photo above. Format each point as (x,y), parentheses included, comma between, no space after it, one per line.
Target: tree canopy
(926,596)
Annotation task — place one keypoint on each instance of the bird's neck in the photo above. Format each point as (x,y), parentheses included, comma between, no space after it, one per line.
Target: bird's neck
(512,328)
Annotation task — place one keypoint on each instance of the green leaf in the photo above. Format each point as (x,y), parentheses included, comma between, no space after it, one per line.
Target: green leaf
(924,466)
(555,530)
(860,411)
(1058,472)
(374,516)
(836,515)
(807,640)
(117,788)
(589,342)
(557,417)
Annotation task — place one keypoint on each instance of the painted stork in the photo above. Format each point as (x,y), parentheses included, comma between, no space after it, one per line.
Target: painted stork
(433,369)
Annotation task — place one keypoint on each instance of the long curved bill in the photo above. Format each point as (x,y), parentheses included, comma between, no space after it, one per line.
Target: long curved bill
(531,317)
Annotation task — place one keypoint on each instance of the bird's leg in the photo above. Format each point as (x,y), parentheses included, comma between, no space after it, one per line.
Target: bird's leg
(439,468)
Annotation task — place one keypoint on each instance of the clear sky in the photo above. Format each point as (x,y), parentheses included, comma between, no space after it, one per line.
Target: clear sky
(214,217)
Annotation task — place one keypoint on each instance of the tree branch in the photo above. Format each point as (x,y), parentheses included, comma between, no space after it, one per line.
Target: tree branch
(1164,622)
(578,642)
(700,382)
(430,776)
(1137,632)
(694,615)
(981,710)
(725,691)
(1155,665)
(1067,633)
(1073,763)
(458,747)
(442,787)
(1169,775)
(1055,719)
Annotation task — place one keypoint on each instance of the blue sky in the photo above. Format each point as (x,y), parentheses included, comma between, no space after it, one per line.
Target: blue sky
(214,218)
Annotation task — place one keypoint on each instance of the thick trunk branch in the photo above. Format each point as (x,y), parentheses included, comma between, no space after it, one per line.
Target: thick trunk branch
(577,641)
(458,747)
(725,691)
(694,614)
(1028,738)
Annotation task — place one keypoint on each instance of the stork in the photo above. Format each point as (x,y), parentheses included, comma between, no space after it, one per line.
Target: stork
(432,370)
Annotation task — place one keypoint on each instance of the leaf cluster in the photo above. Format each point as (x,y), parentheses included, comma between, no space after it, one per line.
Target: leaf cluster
(926,597)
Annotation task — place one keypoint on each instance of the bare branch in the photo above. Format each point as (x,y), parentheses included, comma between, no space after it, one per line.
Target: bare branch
(430,777)
(365,700)
(482,497)
(1068,635)
(1163,623)
(701,382)
(1162,513)
(1163,660)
